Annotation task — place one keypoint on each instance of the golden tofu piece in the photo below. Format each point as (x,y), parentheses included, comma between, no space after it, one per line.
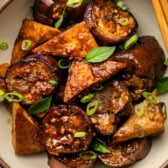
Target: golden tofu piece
(3,69)
(74,43)
(84,75)
(150,124)
(26,133)
(34,31)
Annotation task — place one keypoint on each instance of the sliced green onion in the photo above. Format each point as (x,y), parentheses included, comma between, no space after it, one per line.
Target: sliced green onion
(26,44)
(79,134)
(121,5)
(87,98)
(151,97)
(60,20)
(2,93)
(166,62)
(74,3)
(164,108)
(84,155)
(98,146)
(98,88)
(92,107)
(61,65)
(13,97)
(53,82)
(139,132)
(140,109)
(151,111)
(123,21)
(3,45)
(130,42)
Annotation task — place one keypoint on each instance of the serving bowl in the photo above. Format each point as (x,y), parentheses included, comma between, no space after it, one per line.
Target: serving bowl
(10,23)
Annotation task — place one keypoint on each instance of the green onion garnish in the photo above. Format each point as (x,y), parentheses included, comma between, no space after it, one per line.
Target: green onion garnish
(121,5)
(151,97)
(87,98)
(79,134)
(98,88)
(3,45)
(123,21)
(139,109)
(92,107)
(26,44)
(130,42)
(88,155)
(2,93)
(61,63)
(74,3)
(166,62)
(53,82)
(139,132)
(13,97)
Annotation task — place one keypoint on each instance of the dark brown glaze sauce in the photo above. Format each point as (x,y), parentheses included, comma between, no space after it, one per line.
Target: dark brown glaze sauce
(104,16)
(30,78)
(60,125)
(114,106)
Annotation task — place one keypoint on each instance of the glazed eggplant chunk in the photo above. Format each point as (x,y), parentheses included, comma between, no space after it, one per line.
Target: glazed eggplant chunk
(140,72)
(151,45)
(115,105)
(31,78)
(67,129)
(49,11)
(108,22)
(84,75)
(126,154)
(70,161)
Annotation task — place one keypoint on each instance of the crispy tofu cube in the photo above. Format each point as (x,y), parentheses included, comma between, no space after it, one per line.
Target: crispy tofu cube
(26,134)
(151,123)
(3,69)
(34,31)
(73,43)
(84,75)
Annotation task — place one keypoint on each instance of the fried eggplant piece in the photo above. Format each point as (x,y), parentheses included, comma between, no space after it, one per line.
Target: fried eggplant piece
(31,78)
(49,11)
(115,106)
(84,75)
(26,133)
(73,43)
(108,22)
(62,125)
(140,73)
(151,123)
(70,161)
(123,155)
(36,32)
(151,45)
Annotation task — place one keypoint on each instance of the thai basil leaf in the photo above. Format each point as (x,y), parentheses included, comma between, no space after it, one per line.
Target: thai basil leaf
(40,106)
(100,146)
(162,85)
(60,20)
(99,54)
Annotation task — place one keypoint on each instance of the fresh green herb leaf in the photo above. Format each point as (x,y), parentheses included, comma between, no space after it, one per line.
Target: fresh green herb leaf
(99,54)
(166,62)
(3,45)
(74,3)
(100,147)
(162,85)
(40,106)
(60,20)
